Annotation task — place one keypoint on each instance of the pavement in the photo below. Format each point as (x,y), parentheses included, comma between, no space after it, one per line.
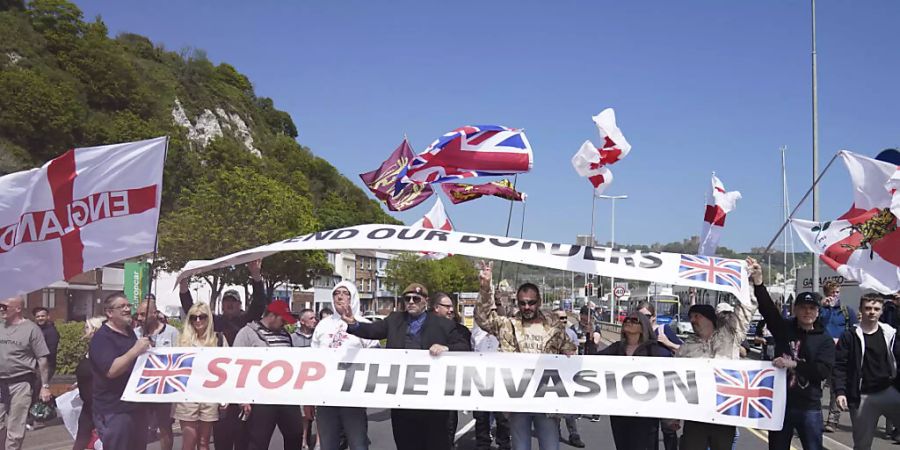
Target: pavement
(597,435)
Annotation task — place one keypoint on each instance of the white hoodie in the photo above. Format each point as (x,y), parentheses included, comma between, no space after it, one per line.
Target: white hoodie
(331,332)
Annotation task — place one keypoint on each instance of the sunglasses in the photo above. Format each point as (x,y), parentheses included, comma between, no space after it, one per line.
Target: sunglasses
(529,303)
(445,306)
(2,307)
(633,320)
(198,317)
(413,298)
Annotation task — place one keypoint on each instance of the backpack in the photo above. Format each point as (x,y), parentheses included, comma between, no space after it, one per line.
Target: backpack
(846,314)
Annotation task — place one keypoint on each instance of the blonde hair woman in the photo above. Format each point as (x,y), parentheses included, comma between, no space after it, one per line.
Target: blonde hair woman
(197,418)
(84,379)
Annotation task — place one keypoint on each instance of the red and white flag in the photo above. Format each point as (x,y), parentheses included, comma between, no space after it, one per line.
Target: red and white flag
(89,207)
(894,188)
(863,244)
(718,204)
(590,161)
(436,219)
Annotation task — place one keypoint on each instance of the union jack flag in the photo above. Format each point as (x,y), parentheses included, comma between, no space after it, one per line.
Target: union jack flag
(165,374)
(722,271)
(745,393)
(470,151)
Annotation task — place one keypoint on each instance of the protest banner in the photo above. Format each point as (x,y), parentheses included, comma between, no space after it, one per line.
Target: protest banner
(707,272)
(732,392)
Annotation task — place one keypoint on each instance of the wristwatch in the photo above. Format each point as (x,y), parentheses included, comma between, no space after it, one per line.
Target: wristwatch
(45,386)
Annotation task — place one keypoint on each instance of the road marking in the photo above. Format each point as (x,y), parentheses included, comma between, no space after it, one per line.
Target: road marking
(763,437)
(465,429)
(834,445)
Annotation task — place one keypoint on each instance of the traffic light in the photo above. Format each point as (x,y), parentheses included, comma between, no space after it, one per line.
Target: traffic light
(589,290)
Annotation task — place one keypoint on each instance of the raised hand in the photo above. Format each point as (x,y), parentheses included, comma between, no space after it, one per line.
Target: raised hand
(755,271)
(486,273)
(255,268)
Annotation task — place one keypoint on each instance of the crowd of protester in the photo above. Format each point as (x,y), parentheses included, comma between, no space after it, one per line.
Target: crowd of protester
(824,342)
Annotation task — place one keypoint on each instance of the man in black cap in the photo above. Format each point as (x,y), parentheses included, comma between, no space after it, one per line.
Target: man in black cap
(419,330)
(803,348)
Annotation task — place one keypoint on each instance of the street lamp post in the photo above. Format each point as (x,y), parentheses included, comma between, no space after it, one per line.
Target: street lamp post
(612,280)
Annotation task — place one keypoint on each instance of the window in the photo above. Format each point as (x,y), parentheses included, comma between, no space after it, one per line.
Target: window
(49,298)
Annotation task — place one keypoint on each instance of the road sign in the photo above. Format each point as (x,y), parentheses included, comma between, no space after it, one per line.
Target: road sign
(620,291)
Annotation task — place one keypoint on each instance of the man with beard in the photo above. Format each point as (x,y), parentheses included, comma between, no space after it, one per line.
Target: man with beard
(528,331)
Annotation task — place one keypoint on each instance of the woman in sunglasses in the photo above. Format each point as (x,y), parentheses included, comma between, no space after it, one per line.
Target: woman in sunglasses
(637,339)
(197,419)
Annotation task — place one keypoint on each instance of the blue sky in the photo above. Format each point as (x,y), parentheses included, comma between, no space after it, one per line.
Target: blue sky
(698,86)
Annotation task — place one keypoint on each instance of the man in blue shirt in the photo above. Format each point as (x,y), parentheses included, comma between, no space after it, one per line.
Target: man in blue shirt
(836,318)
(113,351)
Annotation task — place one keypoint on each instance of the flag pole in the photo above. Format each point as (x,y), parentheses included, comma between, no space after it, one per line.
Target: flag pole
(521,235)
(151,321)
(508,221)
(815,142)
(805,196)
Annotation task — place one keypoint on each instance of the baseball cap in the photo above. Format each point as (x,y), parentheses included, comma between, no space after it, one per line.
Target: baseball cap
(233,294)
(281,308)
(416,288)
(585,310)
(812,298)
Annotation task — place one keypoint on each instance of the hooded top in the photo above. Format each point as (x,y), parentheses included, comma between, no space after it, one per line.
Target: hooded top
(331,332)
(649,346)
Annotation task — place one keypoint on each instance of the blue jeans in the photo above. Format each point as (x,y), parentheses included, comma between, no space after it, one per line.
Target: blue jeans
(546,428)
(809,426)
(333,420)
(122,431)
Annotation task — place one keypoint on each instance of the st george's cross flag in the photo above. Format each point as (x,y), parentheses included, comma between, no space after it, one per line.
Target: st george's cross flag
(718,204)
(470,151)
(436,219)
(591,161)
(863,244)
(89,207)
(894,188)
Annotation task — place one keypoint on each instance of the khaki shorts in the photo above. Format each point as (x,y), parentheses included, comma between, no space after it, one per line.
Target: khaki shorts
(197,412)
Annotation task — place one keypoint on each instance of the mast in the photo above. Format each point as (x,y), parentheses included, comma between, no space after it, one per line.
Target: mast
(815,142)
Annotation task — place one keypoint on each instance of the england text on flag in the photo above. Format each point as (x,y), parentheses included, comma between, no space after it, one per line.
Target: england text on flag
(89,207)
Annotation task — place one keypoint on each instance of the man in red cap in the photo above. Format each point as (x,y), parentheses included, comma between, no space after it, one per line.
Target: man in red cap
(269,332)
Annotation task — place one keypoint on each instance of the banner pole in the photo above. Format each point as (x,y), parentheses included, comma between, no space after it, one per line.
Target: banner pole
(799,204)
(521,236)
(151,304)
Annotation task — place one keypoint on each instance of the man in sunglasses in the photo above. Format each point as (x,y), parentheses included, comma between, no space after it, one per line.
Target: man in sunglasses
(419,330)
(528,331)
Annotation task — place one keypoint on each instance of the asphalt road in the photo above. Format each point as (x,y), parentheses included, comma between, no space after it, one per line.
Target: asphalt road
(595,435)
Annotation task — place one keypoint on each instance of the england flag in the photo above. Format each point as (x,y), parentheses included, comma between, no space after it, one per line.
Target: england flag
(591,161)
(718,204)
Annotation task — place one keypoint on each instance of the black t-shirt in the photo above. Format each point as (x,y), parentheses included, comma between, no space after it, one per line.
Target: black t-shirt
(105,347)
(876,371)
(84,375)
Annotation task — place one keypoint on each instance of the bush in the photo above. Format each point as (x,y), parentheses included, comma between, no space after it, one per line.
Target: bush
(71,347)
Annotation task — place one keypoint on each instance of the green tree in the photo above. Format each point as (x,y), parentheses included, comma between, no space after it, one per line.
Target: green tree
(235,210)
(451,274)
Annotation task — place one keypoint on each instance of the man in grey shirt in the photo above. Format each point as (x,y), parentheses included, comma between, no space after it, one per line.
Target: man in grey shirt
(22,347)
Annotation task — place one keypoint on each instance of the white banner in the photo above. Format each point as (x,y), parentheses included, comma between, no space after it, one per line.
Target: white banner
(743,393)
(720,274)
(89,207)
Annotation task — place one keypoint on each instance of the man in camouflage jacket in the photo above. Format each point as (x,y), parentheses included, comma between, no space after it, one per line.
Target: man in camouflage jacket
(528,331)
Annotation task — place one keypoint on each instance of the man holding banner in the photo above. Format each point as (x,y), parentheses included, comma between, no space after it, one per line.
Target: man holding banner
(414,329)
(716,339)
(528,331)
